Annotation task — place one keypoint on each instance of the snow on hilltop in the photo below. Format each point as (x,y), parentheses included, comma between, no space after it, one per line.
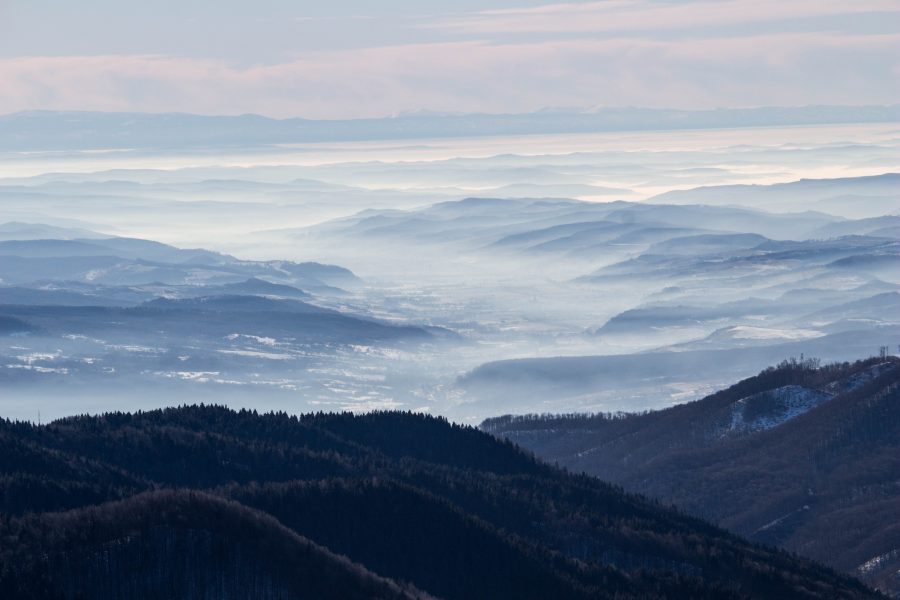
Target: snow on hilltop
(772,408)
(775,407)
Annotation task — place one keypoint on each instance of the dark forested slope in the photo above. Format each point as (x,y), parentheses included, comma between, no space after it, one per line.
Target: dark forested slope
(201,500)
(176,544)
(802,456)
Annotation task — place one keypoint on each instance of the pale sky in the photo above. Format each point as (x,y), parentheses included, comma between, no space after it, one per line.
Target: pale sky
(351,59)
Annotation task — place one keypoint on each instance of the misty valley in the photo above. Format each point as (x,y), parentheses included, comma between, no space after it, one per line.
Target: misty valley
(624,364)
(482,299)
(400,298)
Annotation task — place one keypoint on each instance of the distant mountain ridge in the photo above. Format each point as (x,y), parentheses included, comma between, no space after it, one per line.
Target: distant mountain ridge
(38,253)
(48,130)
(854,197)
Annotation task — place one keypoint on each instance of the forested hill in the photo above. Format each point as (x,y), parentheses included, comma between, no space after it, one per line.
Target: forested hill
(177,544)
(802,456)
(203,501)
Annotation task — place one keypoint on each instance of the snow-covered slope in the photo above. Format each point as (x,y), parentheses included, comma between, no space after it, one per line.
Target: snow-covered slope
(772,408)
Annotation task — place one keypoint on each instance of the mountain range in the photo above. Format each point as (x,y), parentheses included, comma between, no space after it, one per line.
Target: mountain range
(49,130)
(624,301)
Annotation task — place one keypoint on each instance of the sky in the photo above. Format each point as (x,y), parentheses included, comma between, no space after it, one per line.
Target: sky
(360,59)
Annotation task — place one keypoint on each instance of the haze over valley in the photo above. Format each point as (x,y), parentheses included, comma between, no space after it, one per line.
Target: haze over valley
(503,299)
(462,277)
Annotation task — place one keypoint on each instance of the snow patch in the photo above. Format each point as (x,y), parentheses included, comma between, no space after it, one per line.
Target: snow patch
(39,369)
(877,562)
(773,408)
(858,380)
(36,357)
(265,341)
(258,354)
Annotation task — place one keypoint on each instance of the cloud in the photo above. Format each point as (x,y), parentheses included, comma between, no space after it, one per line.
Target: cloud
(475,76)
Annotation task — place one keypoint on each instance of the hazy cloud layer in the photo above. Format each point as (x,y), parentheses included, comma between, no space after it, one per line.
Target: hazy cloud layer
(356,62)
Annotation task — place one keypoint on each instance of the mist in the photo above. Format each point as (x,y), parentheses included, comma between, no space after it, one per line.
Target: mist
(461,276)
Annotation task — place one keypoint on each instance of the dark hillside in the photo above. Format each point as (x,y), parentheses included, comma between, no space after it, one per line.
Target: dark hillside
(176,544)
(448,509)
(801,456)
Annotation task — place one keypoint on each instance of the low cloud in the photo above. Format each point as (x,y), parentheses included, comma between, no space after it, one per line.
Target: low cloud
(475,76)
